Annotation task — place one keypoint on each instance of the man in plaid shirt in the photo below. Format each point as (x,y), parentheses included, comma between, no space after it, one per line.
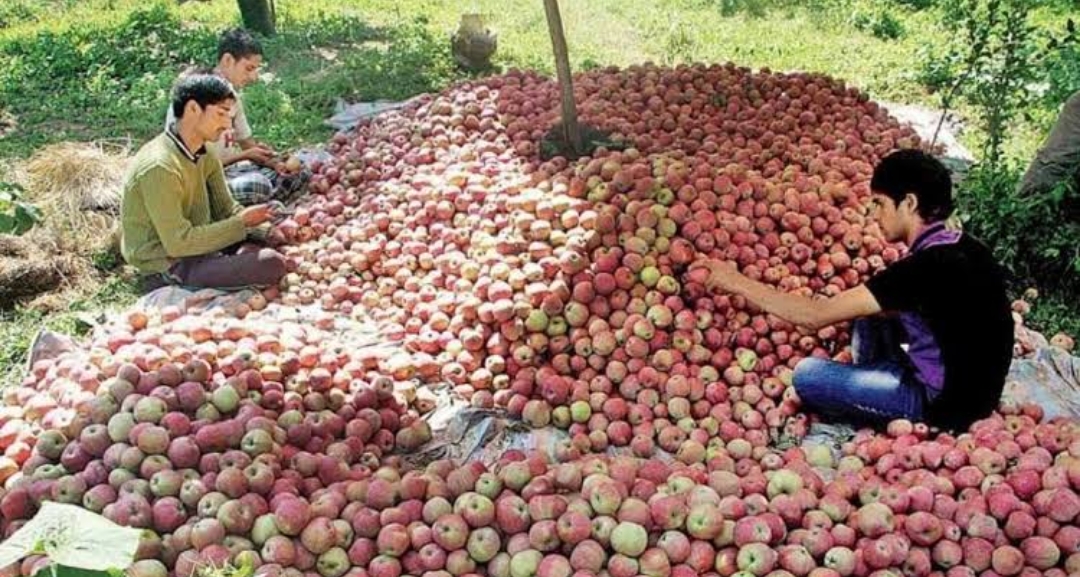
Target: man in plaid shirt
(249,165)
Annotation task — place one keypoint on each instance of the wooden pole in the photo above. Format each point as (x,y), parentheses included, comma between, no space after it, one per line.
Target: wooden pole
(571,129)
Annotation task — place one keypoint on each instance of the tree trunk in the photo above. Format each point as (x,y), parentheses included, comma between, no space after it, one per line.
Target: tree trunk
(258,15)
(571,129)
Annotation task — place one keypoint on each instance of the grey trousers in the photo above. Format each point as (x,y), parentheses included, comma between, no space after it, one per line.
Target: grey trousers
(1059,157)
(249,267)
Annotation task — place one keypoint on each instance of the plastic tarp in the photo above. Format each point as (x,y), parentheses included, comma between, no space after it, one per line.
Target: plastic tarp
(347,116)
(193,299)
(1049,378)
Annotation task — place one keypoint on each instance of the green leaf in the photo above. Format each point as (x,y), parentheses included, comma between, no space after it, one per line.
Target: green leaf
(246,568)
(74,537)
(27,211)
(24,219)
(65,571)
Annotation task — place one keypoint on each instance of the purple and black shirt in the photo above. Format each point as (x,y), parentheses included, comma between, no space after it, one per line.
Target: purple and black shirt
(950,295)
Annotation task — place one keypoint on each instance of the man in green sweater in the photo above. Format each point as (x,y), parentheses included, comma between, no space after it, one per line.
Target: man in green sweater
(178,219)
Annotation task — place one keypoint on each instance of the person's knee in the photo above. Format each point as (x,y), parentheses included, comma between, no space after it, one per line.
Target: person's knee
(264,180)
(809,378)
(806,370)
(273,263)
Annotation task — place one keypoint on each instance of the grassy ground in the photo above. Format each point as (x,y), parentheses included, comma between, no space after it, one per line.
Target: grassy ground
(101,69)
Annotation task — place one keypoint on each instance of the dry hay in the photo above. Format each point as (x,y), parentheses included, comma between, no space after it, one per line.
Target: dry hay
(78,186)
(33,265)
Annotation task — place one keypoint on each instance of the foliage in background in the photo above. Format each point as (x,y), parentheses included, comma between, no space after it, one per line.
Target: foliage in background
(16,216)
(114,78)
(1036,237)
(1061,64)
(145,44)
(878,19)
(998,66)
(1001,66)
(75,82)
(999,55)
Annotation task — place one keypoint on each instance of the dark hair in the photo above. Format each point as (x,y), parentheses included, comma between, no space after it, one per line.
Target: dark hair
(204,89)
(913,171)
(238,42)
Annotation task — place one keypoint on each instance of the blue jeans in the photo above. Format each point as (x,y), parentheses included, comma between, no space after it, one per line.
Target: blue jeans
(879,387)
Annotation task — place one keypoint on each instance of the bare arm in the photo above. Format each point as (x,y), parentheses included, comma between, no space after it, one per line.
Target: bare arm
(252,150)
(228,158)
(798,310)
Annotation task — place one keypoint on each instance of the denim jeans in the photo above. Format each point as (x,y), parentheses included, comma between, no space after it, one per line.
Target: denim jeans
(880,386)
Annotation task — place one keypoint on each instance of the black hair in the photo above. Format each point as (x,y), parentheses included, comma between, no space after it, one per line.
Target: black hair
(238,42)
(204,89)
(912,171)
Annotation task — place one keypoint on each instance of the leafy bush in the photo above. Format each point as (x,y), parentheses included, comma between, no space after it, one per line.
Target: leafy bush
(16,216)
(1035,237)
(318,27)
(1003,66)
(938,69)
(147,42)
(1061,65)
(752,8)
(916,4)
(15,12)
(995,60)
(879,22)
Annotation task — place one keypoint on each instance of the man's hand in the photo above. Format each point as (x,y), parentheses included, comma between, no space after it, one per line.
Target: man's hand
(722,275)
(260,154)
(255,215)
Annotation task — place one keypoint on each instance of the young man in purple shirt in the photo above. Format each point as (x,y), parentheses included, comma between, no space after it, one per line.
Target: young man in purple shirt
(933,334)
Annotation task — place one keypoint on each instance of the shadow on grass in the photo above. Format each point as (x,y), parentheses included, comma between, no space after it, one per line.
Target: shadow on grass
(392,63)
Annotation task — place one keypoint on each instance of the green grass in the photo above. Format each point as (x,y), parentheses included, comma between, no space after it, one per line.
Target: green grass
(19,327)
(101,69)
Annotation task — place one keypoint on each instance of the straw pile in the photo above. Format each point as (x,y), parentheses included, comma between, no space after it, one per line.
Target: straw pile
(78,187)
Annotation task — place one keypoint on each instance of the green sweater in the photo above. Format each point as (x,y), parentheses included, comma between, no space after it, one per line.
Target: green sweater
(175,205)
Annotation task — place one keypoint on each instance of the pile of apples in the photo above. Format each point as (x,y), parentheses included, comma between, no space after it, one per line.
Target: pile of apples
(558,289)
